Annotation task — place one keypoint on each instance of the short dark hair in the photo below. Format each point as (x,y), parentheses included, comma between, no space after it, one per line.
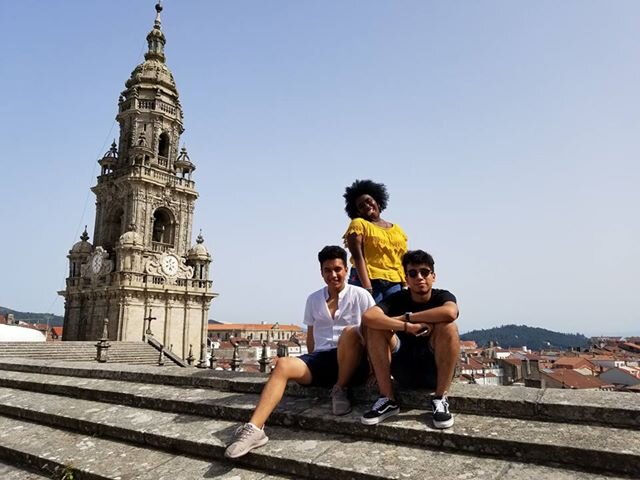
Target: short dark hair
(331,252)
(417,257)
(378,192)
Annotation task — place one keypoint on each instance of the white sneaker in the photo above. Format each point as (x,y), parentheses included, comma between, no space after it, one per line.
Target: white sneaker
(247,437)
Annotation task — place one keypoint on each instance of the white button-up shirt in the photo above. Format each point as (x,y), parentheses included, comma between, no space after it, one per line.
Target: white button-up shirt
(352,303)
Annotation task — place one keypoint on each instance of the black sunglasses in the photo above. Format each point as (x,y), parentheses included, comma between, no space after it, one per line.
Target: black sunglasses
(424,272)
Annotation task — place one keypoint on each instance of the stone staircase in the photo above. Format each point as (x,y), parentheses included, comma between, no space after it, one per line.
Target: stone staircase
(106,421)
(139,353)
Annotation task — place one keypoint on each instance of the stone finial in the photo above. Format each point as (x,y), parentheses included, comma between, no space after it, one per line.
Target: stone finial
(155,38)
(85,236)
(105,329)
(202,363)
(158,20)
(235,360)
(161,357)
(190,357)
(264,358)
(103,345)
(212,358)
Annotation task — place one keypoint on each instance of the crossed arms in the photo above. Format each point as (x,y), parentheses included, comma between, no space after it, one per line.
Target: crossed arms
(376,319)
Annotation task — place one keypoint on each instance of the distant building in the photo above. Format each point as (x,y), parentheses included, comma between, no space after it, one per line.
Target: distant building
(253,331)
(579,364)
(466,345)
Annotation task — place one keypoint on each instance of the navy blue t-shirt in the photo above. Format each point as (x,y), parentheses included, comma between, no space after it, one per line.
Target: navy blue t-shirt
(399,303)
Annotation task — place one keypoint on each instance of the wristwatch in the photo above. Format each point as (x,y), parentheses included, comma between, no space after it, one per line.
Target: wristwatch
(407,317)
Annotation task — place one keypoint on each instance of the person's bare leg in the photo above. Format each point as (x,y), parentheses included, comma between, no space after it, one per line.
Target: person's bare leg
(350,349)
(445,341)
(379,346)
(287,368)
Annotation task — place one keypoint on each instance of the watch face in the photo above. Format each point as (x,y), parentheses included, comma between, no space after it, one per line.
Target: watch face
(96,263)
(170,265)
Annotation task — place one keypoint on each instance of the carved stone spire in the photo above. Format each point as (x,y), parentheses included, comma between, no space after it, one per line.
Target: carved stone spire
(155,38)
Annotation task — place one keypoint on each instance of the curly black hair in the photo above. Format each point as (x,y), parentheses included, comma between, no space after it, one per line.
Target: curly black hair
(378,192)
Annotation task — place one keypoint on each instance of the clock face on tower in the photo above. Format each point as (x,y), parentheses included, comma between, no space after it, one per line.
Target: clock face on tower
(169,265)
(96,263)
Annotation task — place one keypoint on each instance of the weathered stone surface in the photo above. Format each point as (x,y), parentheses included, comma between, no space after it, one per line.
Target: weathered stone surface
(514,402)
(596,407)
(616,450)
(537,441)
(587,445)
(9,472)
(54,450)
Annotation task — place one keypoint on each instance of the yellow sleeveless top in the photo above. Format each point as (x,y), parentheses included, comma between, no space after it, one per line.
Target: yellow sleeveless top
(383,249)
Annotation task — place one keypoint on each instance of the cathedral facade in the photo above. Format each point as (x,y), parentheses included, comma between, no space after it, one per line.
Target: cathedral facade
(141,271)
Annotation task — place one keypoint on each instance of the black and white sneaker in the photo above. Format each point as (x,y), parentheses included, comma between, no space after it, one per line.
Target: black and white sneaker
(383,408)
(442,418)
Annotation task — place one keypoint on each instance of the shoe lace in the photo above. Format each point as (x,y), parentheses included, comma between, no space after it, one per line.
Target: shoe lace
(336,390)
(381,401)
(243,432)
(440,405)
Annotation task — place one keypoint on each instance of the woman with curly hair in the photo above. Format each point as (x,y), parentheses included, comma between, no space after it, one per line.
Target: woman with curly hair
(376,245)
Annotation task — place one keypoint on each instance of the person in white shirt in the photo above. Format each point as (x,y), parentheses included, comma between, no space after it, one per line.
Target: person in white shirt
(335,345)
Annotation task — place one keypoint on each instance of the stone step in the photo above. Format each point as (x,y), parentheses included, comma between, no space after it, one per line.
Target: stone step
(10,472)
(612,409)
(73,343)
(593,447)
(55,452)
(290,451)
(121,352)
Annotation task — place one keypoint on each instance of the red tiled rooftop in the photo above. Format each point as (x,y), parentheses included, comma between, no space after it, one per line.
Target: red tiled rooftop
(573,362)
(252,326)
(573,379)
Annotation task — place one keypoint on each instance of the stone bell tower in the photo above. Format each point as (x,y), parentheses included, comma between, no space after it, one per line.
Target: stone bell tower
(140,265)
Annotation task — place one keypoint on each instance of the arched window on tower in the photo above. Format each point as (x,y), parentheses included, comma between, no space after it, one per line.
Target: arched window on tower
(113,229)
(163,149)
(163,228)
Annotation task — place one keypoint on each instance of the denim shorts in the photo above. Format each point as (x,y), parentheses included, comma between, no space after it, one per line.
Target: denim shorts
(324,368)
(381,288)
(413,363)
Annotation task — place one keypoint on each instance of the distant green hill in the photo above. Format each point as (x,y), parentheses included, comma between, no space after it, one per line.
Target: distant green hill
(30,317)
(535,338)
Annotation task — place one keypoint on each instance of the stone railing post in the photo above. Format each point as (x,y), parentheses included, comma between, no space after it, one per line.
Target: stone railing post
(202,363)
(264,358)
(103,345)
(212,358)
(235,360)
(190,358)
(161,357)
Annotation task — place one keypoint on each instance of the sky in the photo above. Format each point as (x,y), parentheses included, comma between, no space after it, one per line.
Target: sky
(507,134)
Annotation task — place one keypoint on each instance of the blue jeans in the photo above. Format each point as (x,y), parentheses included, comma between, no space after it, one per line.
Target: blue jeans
(381,288)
